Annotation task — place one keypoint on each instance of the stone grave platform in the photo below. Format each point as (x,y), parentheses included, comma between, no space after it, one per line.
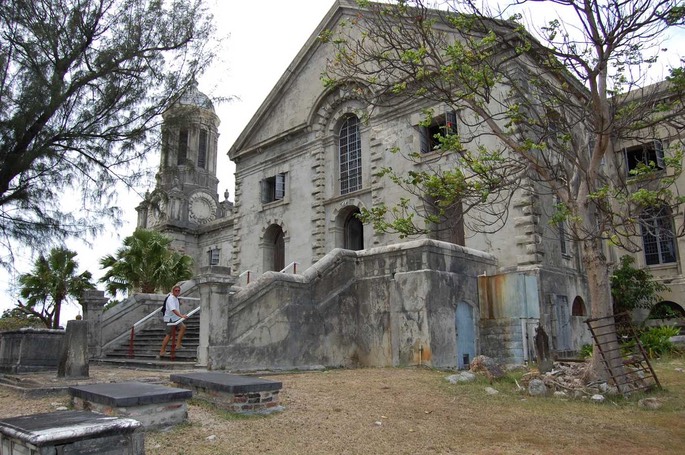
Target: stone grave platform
(239,394)
(155,406)
(71,432)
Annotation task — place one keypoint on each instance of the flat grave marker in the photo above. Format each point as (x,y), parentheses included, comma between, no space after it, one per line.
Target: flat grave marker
(155,406)
(234,393)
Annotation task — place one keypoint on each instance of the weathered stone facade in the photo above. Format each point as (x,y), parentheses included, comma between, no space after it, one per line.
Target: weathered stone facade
(378,305)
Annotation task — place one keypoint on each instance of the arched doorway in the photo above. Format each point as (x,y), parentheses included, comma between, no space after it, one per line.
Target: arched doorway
(353,231)
(274,248)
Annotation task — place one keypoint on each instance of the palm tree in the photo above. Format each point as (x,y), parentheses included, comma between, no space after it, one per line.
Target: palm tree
(52,281)
(145,263)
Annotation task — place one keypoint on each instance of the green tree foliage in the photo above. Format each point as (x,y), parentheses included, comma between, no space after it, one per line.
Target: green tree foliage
(541,116)
(145,263)
(52,281)
(82,84)
(633,288)
(14,318)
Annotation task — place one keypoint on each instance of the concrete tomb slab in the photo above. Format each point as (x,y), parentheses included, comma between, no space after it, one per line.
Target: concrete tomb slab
(71,432)
(154,405)
(240,394)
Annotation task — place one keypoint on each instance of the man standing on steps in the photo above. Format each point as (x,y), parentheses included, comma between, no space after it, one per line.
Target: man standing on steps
(173,314)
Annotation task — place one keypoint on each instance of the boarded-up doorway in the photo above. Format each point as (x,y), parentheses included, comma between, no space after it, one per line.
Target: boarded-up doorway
(465,329)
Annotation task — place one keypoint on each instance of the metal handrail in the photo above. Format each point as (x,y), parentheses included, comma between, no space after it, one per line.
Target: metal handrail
(190,313)
(150,316)
(294,264)
(248,275)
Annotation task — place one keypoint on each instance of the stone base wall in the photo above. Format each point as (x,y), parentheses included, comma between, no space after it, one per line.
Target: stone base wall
(28,350)
(381,307)
(240,403)
(502,339)
(152,416)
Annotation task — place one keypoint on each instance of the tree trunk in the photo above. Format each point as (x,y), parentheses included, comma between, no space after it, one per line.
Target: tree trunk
(55,316)
(599,285)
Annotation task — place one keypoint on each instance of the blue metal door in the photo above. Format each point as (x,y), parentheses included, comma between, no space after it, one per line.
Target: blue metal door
(466,335)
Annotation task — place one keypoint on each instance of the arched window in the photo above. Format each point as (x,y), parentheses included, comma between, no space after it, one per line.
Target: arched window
(657,236)
(578,308)
(666,310)
(354,232)
(350,155)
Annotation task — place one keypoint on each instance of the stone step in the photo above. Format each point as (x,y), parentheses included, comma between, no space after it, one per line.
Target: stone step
(148,364)
(147,342)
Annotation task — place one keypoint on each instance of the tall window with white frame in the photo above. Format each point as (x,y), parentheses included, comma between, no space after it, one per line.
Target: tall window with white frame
(657,236)
(350,155)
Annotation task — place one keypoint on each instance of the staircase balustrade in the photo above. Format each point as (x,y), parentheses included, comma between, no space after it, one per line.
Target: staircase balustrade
(143,322)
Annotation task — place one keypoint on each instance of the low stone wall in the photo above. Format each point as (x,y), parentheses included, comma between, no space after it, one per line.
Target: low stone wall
(29,349)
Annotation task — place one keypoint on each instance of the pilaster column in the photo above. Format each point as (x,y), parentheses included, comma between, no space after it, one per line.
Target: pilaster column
(93,304)
(214,284)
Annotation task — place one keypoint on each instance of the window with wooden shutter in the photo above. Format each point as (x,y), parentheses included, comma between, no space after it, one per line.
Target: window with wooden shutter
(214,254)
(273,188)
(650,154)
(441,126)
(182,155)
(202,150)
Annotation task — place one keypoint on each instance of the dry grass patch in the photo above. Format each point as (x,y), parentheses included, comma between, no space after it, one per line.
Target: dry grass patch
(416,411)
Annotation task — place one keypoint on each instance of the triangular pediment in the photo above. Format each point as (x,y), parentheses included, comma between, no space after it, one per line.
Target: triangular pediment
(287,108)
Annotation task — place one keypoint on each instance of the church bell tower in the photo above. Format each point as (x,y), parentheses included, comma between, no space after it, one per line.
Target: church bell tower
(185,195)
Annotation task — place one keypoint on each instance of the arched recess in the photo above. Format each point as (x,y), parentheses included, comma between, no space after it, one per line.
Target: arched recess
(348,228)
(273,248)
(334,104)
(666,310)
(353,231)
(578,307)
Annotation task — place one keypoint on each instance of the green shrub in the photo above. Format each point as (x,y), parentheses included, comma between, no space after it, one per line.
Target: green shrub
(586,351)
(656,340)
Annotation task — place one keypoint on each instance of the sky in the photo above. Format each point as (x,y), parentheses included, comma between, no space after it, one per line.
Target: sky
(261,40)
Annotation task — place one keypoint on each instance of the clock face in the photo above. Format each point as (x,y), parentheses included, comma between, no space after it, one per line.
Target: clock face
(201,208)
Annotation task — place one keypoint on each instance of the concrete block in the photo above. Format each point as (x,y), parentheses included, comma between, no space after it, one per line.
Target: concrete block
(71,433)
(155,406)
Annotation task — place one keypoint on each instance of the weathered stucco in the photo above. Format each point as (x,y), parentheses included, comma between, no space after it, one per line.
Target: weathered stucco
(386,306)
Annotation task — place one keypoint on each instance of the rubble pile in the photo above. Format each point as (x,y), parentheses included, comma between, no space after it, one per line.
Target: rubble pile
(572,379)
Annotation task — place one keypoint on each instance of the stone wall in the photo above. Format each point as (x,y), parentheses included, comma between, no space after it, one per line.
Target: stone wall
(29,349)
(387,306)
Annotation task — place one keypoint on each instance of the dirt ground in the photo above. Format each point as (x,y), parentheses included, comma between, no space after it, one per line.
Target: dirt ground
(403,411)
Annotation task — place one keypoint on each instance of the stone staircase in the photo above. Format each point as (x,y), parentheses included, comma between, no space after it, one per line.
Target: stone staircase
(146,345)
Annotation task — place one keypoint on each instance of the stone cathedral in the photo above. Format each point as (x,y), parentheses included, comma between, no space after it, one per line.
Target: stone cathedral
(305,165)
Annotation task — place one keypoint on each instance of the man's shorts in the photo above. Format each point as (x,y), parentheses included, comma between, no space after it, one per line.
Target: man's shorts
(170,328)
